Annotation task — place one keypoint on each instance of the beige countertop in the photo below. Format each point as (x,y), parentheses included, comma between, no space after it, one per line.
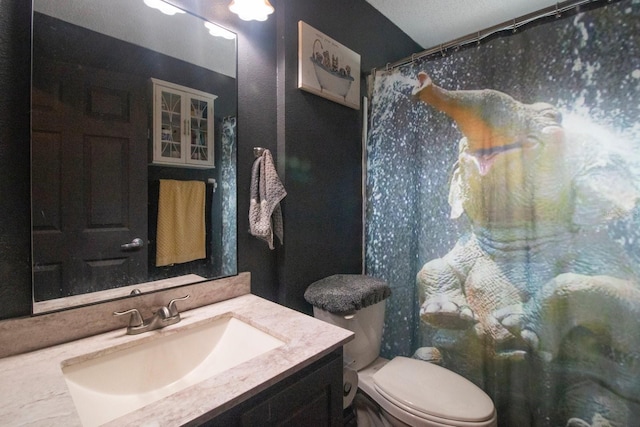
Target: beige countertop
(34,392)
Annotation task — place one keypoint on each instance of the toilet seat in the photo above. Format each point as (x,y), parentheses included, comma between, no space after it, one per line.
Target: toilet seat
(413,390)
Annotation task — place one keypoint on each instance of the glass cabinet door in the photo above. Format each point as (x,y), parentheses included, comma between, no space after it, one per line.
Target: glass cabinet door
(171,136)
(201,144)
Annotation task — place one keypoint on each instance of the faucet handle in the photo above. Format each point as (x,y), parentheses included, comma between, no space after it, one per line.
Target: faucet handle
(173,309)
(163,313)
(136,318)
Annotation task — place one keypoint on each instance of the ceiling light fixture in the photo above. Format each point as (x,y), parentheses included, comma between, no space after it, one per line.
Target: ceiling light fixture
(251,10)
(163,7)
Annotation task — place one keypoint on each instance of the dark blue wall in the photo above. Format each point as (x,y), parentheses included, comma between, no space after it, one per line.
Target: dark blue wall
(15,212)
(323,228)
(323,145)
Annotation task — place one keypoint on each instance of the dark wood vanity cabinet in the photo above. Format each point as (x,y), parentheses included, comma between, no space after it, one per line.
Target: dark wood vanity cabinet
(311,397)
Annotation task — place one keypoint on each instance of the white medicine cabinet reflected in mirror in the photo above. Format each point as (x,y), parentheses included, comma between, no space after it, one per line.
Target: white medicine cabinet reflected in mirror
(182,131)
(98,160)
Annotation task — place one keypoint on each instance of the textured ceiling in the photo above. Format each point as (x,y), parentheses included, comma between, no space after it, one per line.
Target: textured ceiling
(433,22)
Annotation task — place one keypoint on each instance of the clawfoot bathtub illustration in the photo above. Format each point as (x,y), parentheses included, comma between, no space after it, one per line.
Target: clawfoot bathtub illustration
(537,277)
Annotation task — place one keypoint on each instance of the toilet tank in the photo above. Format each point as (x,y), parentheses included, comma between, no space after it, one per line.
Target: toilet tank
(367,324)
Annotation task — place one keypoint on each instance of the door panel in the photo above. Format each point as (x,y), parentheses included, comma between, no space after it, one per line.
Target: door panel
(89,180)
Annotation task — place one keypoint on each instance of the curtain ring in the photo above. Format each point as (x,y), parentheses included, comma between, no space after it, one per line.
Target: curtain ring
(388,68)
(514,25)
(413,58)
(478,40)
(557,10)
(442,50)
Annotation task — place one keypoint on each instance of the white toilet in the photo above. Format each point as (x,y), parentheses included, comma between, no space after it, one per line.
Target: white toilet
(406,392)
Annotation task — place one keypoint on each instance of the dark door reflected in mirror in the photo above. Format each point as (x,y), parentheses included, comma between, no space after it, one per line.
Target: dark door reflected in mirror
(104,143)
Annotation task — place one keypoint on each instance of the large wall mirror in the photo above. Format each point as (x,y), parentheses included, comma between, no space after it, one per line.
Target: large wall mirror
(133,119)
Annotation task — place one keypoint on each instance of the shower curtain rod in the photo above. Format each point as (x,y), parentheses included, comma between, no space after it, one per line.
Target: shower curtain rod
(514,24)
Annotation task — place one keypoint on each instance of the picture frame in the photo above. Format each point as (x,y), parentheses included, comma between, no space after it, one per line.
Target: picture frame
(327,68)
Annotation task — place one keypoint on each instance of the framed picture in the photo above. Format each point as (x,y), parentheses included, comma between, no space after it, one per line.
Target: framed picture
(327,68)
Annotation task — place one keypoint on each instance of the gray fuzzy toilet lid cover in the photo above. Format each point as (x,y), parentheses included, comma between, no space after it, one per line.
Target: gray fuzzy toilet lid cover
(346,293)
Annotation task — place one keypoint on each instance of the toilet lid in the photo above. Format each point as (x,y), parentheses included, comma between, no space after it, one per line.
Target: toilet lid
(425,388)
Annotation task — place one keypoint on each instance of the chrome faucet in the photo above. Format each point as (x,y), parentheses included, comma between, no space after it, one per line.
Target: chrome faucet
(165,316)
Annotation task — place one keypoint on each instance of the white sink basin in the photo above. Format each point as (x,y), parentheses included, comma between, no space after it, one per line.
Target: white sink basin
(113,383)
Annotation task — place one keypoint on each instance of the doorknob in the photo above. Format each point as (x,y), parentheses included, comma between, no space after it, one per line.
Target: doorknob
(136,243)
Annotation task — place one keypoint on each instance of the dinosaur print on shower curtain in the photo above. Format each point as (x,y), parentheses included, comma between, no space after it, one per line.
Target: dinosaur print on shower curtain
(536,277)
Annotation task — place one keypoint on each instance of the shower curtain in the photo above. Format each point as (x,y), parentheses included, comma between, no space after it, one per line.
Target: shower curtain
(503,193)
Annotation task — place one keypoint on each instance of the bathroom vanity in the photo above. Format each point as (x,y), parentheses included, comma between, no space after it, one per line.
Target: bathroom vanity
(311,397)
(296,376)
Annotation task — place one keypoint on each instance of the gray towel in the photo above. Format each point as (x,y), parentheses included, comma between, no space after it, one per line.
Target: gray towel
(265,215)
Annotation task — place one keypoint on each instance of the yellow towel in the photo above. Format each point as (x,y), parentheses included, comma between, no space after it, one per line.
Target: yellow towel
(181,226)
